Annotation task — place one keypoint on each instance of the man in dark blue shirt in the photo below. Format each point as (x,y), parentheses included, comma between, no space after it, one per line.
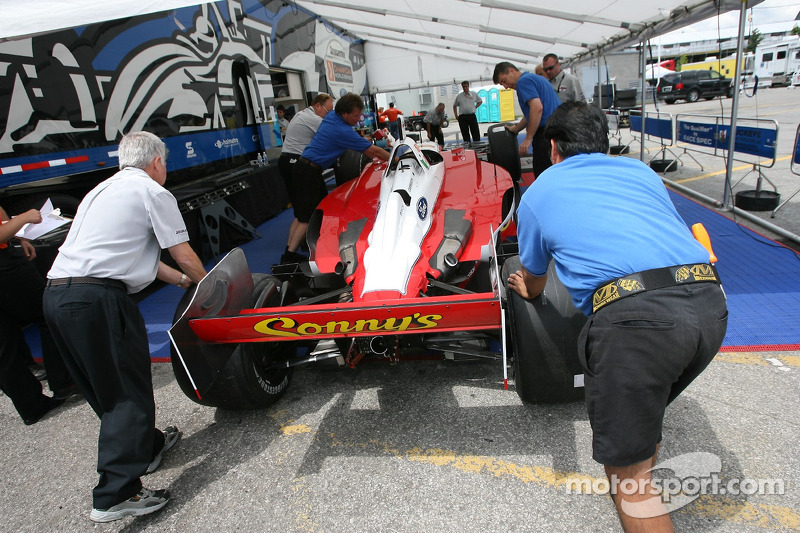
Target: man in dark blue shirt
(538,100)
(334,136)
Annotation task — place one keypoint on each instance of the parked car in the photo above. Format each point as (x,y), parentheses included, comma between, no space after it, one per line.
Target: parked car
(691,85)
(416,122)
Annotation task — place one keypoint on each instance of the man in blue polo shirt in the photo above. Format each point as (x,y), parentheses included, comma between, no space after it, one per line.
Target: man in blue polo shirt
(334,136)
(657,313)
(538,100)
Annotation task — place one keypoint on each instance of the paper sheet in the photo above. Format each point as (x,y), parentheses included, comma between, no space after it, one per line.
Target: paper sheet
(51,219)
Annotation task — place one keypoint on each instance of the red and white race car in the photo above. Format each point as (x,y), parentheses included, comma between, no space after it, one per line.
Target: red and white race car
(409,257)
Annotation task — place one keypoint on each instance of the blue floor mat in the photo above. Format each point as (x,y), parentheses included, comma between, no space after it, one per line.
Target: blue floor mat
(760,277)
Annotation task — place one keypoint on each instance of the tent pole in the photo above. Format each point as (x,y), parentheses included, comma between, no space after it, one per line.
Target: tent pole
(600,102)
(726,197)
(643,74)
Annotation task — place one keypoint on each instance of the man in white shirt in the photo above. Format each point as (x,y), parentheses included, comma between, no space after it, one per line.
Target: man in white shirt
(113,249)
(467,102)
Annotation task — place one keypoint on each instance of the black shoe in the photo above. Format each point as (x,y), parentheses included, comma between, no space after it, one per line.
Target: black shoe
(38,371)
(66,393)
(48,405)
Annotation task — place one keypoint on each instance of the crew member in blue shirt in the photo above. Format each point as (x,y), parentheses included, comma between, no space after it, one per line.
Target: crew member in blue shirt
(334,136)
(538,100)
(657,312)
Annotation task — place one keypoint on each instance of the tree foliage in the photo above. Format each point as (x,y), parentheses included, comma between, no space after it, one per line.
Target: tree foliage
(755,39)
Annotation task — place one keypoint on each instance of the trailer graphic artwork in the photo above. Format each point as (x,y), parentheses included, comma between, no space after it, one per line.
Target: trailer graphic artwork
(199,77)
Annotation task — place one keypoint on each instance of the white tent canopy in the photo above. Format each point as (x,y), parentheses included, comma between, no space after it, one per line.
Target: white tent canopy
(418,43)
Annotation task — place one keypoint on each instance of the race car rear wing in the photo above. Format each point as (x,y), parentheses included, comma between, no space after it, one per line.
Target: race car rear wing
(219,317)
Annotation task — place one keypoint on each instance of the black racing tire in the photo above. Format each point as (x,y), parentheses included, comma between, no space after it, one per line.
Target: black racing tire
(349,166)
(618,149)
(245,382)
(693,95)
(543,341)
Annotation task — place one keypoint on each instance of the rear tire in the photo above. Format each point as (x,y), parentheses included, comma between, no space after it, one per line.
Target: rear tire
(244,382)
(349,166)
(543,341)
(693,96)
(445,123)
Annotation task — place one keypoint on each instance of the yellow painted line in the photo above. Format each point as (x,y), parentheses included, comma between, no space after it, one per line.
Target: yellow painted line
(718,172)
(756,358)
(715,507)
(295,429)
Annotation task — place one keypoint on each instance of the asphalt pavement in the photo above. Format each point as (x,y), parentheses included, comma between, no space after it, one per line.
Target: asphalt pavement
(438,446)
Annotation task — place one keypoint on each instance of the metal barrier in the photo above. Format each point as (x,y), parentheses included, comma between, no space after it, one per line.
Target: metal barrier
(657,126)
(712,132)
(794,164)
(613,116)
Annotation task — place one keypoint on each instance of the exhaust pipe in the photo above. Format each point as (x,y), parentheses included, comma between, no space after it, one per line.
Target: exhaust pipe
(378,345)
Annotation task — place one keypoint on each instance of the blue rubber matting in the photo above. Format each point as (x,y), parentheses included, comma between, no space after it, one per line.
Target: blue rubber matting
(761,278)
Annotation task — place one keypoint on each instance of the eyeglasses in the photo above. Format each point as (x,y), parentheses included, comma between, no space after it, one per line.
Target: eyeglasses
(551,67)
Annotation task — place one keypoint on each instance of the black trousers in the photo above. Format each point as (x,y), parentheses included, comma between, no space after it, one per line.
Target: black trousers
(541,152)
(468,123)
(16,381)
(436,133)
(21,289)
(285,167)
(102,335)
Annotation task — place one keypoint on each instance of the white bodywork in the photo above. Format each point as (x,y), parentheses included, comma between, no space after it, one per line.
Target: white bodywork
(399,229)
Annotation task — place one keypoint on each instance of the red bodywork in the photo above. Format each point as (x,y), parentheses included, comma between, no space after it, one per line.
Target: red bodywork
(470,185)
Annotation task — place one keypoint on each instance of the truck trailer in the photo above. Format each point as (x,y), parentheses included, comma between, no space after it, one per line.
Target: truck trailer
(206,79)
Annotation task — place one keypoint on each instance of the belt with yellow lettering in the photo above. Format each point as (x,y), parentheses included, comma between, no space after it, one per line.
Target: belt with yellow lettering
(647,280)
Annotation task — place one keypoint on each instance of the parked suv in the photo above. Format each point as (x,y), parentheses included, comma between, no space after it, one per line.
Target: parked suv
(691,85)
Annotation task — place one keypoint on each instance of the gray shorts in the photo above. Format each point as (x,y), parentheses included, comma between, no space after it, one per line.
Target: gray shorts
(638,354)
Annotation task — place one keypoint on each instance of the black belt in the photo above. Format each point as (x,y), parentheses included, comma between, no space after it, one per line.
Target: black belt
(86,281)
(309,163)
(648,280)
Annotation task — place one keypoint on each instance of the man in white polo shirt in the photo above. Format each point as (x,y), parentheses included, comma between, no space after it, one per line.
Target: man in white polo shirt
(464,108)
(113,249)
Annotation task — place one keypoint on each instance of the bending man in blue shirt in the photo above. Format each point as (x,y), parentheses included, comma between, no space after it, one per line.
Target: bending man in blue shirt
(657,313)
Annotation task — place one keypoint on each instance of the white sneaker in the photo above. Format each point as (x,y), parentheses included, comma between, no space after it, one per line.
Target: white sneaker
(145,502)
(171,436)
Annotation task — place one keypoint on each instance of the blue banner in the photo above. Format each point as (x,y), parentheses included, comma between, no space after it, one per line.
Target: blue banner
(697,133)
(754,141)
(796,158)
(655,127)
